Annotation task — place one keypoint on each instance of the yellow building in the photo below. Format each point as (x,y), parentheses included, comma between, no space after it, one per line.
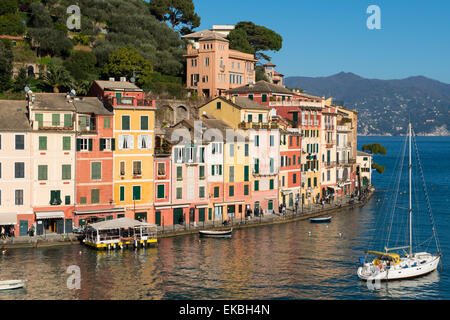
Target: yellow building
(134,124)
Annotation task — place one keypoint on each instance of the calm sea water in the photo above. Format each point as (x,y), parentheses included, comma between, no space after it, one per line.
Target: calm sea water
(273,262)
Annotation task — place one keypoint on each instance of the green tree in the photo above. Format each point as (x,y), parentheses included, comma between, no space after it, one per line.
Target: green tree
(258,37)
(57,76)
(81,65)
(127,62)
(21,80)
(8,6)
(375,148)
(6,66)
(11,24)
(260,74)
(179,13)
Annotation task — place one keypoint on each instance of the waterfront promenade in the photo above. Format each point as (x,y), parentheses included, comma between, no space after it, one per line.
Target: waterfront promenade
(307,212)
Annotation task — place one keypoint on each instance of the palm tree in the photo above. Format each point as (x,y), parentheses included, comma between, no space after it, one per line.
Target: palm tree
(57,76)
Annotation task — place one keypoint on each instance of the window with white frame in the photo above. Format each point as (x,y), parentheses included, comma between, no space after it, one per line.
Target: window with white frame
(84,144)
(126,142)
(144,141)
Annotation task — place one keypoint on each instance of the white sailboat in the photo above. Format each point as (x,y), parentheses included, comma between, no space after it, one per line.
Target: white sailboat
(389,265)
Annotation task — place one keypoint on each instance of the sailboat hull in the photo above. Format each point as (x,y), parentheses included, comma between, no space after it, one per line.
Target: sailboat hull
(416,266)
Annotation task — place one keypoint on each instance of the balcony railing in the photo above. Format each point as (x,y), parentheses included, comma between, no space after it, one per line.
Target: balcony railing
(49,125)
(130,101)
(258,125)
(329,164)
(346,162)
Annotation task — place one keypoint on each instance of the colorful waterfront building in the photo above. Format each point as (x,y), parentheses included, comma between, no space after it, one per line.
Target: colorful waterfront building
(328,151)
(212,67)
(263,136)
(345,162)
(134,119)
(95,144)
(53,159)
(16,168)
(364,163)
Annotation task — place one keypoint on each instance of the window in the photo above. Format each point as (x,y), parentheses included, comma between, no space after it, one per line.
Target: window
(260,118)
(125,122)
(207,62)
(55,120)
(256,185)
(107,123)
(126,142)
(179,193)
(18,197)
(216,192)
(246,150)
(95,195)
(294,178)
(256,167)
(67,120)
(66,143)
(216,148)
(66,171)
(67,199)
(271,184)
(39,118)
(257,141)
(96,170)
(271,165)
(231,174)
(136,192)
(232,150)
(84,144)
(201,172)
(137,169)
(250,96)
(219,105)
(160,194)
(144,122)
(246,173)
(245,189)
(107,144)
(272,140)
(179,173)
(309,182)
(19,170)
(55,197)
(315,182)
(201,192)
(216,170)
(20,142)
(122,193)
(231,191)
(42,172)
(249,118)
(122,168)
(161,169)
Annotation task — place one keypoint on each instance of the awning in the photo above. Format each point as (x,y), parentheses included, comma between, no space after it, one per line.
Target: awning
(202,205)
(120,223)
(228,203)
(49,214)
(8,218)
(335,188)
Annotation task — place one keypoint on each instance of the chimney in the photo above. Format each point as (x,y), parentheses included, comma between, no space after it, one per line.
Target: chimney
(233,99)
(111,79)
(123,79)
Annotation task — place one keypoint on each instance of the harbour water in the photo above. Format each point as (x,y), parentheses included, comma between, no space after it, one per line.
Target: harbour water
(289,261)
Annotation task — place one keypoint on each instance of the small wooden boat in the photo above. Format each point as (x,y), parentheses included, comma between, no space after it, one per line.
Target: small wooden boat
(216,233)
(320,220)
(11,284)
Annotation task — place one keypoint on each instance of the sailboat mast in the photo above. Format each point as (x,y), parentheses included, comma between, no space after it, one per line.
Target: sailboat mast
(410,195)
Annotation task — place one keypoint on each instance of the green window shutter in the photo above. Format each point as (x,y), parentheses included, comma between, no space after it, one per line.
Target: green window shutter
(144,122)
(264,98)
(67,120)
(201,192)
(125,122)
(315,182)
(39,117)
(250,96)
(96,170)
(220,169)
(83,123)
(160,191)
(102,144)
(272,140)
(122,193)
(271,184)
(66,171)
(42,172)
(113,144)
(95,195)
(246,173)
(66,143)
(256,141)
(42,143)
(209,213)
(78,144)
(231,174)
(294,178)
(260,117)
(136,192)
(295,116)
(249,118)
(256,165)
(90,144)
(216,192)
(256,185)
(231,191)
(246,190)
(246,150)
(201,171)
(55,119)
(180,172)
(107,123)
(67,200)
(179,193)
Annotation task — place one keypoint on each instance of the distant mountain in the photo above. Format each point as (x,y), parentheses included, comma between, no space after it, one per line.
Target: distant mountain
(384,106)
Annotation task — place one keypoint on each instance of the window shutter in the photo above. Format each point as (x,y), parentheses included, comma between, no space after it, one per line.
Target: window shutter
(113,144)
(102,144)
(220,170)
(90,144)
(246,173)
(78,144)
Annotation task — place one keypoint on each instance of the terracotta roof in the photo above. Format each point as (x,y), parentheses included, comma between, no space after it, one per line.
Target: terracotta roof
(245,102)
(270,64)
(361,153)
(117,85)
(199,34)
(14,116)
(261,87)
(214,36)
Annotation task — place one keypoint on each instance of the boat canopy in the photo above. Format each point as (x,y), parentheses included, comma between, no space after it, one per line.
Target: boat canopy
(394,257)
(119,224)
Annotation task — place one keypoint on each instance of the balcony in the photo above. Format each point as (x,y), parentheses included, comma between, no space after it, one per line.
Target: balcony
(130,102)
(329,127)
(295,103)
(329,164)
(258,125)
(49,125)
(346,162)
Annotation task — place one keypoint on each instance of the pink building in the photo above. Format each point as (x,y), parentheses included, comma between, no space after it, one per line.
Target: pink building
(212,67)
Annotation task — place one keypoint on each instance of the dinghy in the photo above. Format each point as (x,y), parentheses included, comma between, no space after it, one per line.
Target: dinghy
(11,284)
(320,220)
(216,233)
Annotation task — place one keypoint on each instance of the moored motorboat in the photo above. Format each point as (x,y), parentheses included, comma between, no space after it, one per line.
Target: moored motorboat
(216,233)
(320,220)
(11,284)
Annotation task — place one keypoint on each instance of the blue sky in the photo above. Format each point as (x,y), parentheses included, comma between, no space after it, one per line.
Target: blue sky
(324,37)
